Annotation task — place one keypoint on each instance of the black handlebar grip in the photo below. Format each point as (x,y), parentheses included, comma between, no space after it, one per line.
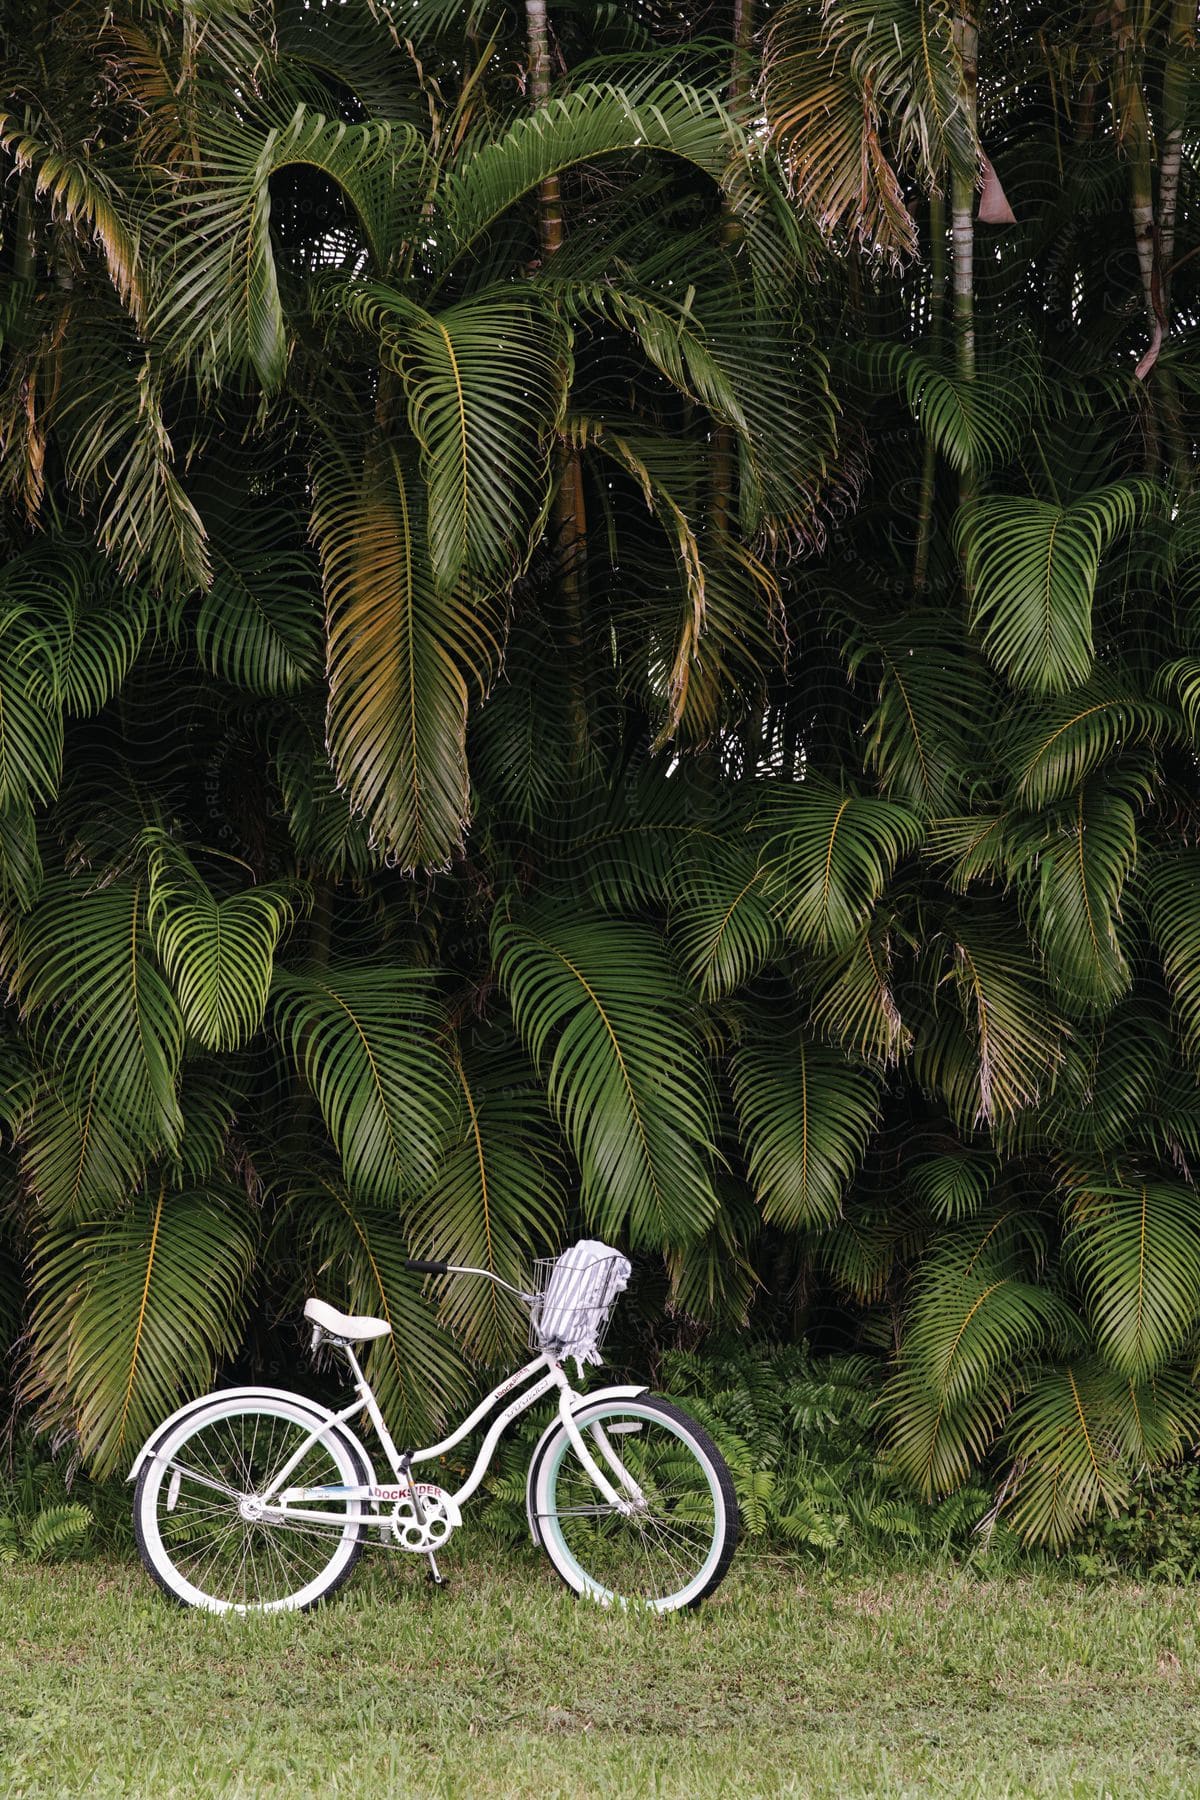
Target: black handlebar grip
(426,1268)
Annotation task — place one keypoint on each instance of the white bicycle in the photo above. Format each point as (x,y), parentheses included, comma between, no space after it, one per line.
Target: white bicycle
(257,1500)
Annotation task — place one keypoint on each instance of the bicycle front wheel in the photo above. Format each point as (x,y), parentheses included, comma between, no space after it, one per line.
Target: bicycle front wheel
(675,1545)
(202,1530)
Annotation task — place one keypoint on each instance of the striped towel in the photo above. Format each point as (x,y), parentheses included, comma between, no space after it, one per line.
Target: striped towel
(585,1281)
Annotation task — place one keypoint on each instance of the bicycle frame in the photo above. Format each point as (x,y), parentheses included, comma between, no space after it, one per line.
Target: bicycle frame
(297,1503)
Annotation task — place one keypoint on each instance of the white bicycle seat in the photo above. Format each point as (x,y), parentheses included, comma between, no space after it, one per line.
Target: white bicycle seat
(357,1330)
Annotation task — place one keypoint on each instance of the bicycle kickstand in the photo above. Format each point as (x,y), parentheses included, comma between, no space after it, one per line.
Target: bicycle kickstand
(435,1574)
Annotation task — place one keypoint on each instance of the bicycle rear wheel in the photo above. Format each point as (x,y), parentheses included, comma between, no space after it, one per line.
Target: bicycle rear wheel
(676,1546)
(201,1532)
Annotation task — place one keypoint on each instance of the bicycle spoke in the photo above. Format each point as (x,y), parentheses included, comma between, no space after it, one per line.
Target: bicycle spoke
(204,1524)
(655,1550)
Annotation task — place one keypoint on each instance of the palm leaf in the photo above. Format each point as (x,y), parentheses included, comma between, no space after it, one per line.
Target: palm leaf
(356,1254)
(1074,867)
(76,1156)
(1066,1435)
(30,708)
(998,1049)
(714,1280)
(21,870)
(605,1014)
(721,924)
(119,455)
(1032,569)
(976,422)
(1137,1250)
(1172,881)
(497,1200)
(399,653)
(828,858)
(486,384)
(259,624)
(371,1043)
(928,698)
(837,82)
(217,954)
(132,1311)
(594,120)
(82,965)
(1055,746)
(953,1186)
(972,1321)
(221,304)
(806,1116)
(853,1000)
(81,194)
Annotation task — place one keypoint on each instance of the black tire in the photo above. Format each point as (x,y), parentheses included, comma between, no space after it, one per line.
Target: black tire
(668,1557)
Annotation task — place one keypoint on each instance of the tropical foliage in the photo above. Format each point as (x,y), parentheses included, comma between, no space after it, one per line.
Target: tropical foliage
(601,626)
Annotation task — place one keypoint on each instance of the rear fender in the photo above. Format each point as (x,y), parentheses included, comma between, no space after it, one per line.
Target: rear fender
(555,1425)
(313,1407)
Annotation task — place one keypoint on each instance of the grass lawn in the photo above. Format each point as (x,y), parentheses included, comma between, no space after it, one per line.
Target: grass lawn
(792,1681)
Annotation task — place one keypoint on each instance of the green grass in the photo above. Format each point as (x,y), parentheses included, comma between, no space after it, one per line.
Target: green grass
(792,1681)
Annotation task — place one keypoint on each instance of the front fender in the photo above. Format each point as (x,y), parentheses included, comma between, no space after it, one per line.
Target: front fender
(251,1393)
(577,1400)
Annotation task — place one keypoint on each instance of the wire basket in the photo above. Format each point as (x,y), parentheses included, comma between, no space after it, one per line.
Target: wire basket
(572,1302)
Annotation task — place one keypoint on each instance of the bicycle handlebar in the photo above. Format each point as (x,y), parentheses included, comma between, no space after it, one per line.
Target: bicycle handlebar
(427,1266)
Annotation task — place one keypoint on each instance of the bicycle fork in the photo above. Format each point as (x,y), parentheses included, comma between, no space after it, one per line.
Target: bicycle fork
(633,1500)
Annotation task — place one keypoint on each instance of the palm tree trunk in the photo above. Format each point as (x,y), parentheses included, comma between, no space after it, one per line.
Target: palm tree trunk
(962,231)
(1133,131)
(724,443)
(1176,84)
(1175,95)
(568,517)
(962,207)
(937,302)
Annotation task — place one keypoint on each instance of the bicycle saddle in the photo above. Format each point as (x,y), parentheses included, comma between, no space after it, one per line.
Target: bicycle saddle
(356,1329)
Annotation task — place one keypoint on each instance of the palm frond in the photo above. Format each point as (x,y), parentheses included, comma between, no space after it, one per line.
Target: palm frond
(972,1321)
(497,1200)
(713,1279)
(853,1000)
(829,856)
(81,194)
(954,1185)
(1066,1436)
(594,120)
(82,965)
(371,1043)
(221,306)
(1032,569)
(1074,866)
(217,954)
(806,1115)
(1173,882)
(1056,745)
(998,1050)
(605,1014)
(77,1156)
(928,696)
(356,1254)
(1137,1251)
(400,653)
(838,82)
(720,921)
(259,624)
(976,423)
(486,382)
(133,1311)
